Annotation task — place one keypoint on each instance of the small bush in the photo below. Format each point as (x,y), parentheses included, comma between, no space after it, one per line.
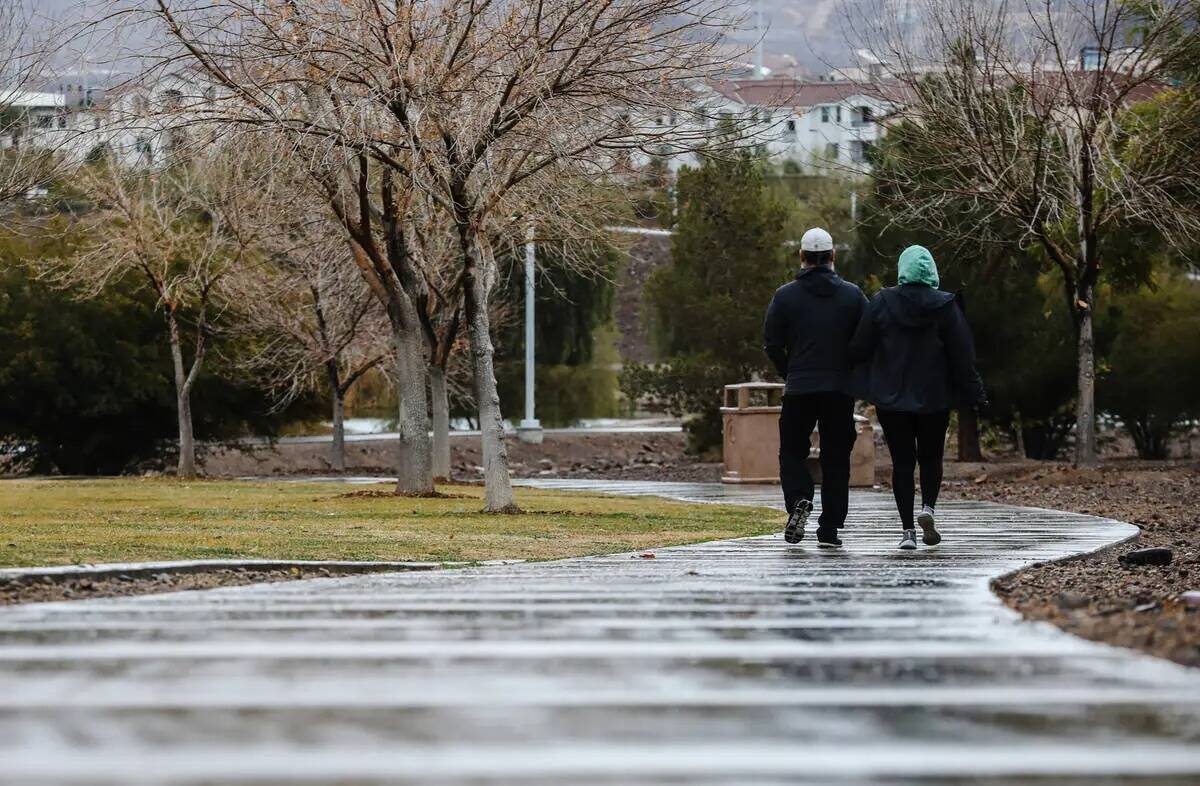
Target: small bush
(1152,376)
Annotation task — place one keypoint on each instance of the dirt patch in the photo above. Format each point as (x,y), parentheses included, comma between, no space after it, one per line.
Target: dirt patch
(56,588)
(381,494)
(1099,597)
(633,456)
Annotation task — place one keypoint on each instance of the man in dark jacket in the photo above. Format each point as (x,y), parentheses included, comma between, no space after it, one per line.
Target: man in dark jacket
(807,335)
(921,364)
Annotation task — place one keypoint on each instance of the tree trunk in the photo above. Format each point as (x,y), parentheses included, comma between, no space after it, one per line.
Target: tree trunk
(498,494)
(186,468)
(968,435)
(1086,454)
(337,451)
(187,442)
(1150,436)
(441,422)
(414,469)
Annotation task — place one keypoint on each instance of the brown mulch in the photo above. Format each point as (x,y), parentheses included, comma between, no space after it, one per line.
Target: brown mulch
(55,588)
(681,471)
(1097,597)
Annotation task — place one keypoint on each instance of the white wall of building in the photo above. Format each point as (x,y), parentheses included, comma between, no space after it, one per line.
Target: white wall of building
(137,125)
(834,136)
(140,125)
(825,136)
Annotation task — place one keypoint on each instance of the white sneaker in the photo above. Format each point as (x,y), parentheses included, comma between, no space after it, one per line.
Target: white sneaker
(929,533)
(909,540)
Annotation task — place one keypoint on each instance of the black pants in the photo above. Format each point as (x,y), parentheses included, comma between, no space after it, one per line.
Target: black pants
(914,440)
(833,414)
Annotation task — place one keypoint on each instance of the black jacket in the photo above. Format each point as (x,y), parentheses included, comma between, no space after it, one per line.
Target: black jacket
(808,329)
(918,351)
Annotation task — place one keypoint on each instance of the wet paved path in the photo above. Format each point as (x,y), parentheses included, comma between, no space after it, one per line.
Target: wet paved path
(738,662)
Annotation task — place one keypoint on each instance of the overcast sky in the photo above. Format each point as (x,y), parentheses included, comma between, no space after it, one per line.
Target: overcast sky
(809,30)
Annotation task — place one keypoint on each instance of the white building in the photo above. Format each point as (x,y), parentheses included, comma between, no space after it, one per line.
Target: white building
(32,119)
(826,127)
(812,127)
(137,124)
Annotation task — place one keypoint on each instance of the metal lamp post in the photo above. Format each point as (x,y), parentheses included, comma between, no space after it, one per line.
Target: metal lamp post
(530,429)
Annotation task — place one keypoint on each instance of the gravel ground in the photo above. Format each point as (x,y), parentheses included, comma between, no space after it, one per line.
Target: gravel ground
(1098,597)
(678,471)
(656,456)
(55,588)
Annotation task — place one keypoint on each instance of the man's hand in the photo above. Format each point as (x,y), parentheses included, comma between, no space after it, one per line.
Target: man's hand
(778,359)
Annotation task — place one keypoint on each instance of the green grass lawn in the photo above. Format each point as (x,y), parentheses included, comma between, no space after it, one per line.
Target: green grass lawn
(62,522)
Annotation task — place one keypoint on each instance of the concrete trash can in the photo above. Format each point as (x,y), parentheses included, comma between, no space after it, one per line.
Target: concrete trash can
(750,423)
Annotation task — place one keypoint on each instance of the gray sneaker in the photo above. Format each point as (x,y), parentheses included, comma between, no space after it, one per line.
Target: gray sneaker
(909,540)
(794,531)
(929,533)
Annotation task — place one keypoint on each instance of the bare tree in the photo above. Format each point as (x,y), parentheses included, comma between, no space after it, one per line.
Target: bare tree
(167,230)
(546,91)
(316,324)
(270,73)
(442,322)
(458,103)
(315,321)
(565,213)
(1019,117)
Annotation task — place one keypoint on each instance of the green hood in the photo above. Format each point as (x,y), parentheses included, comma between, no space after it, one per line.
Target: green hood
(917,267)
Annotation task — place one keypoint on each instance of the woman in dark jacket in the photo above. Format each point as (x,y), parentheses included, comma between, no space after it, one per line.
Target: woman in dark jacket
(920,361)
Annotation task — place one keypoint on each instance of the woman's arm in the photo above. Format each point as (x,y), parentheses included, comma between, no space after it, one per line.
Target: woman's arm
(960,352)
(862,344)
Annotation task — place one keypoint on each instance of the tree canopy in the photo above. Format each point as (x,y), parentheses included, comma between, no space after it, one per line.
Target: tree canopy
(728,258)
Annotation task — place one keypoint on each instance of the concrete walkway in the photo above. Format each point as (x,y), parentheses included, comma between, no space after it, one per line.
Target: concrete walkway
(738,662)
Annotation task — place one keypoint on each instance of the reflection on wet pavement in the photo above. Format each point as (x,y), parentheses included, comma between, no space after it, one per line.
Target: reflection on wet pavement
(737,662)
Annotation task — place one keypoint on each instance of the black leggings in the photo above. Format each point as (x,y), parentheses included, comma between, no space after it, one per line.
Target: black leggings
(914,439)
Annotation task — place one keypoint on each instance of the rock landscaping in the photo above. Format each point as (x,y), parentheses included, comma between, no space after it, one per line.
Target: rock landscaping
(1143,594)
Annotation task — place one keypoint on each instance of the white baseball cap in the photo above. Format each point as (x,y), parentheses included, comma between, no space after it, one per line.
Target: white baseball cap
(816,239)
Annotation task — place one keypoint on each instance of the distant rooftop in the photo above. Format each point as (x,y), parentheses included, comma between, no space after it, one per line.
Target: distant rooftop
(800,93)
(32,100)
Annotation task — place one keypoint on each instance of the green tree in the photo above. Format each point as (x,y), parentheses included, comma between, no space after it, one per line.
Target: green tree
(728,258)
(1023,337)
(820,200)
(1152,376)
(1026,349)
(573,338)
(85,386)
(1058,153)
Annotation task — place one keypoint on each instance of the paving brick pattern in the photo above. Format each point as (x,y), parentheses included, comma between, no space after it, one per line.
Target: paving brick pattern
(736,662)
